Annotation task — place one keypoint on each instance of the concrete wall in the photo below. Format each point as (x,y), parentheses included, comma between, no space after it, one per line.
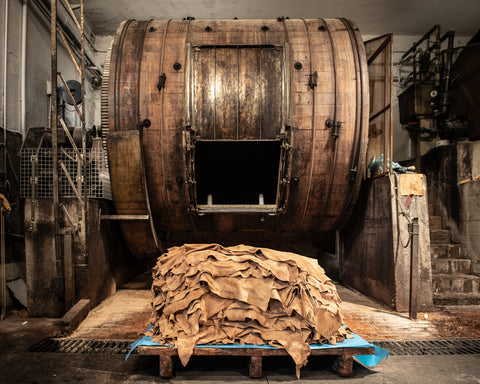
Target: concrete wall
(37,68)
(376,251)
(13,60)
(453,175)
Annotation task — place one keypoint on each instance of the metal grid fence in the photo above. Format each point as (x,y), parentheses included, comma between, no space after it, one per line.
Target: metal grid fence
(36,170)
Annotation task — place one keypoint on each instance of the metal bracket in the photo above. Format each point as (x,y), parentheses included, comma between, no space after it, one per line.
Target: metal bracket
(73,228)
(72,184)
(352,174)
(161,81)
(312,80)
(335,125)
(64,231)
(120,218)
(187,141)
(125,217)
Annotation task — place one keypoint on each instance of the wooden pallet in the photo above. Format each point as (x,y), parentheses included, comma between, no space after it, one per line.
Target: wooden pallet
(344,362)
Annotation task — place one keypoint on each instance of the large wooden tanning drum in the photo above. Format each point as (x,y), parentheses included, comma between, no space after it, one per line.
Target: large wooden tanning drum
(234,125)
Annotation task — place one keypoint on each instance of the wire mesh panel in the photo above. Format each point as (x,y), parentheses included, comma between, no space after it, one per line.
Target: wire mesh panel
(36,171)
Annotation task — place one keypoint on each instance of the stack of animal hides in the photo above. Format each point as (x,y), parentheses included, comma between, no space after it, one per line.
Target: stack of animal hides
(209,294)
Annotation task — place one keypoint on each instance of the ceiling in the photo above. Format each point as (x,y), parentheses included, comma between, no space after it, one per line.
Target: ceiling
(373,17)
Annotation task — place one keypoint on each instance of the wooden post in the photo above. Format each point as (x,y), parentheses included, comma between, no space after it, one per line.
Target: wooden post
(255,366)
(413,227)
(166,366)
(345,365)
(68,269)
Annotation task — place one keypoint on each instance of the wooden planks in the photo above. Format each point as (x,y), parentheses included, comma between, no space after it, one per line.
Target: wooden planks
(129,191)
(344,362)
(238,92)
(226,91)
(204,92)
(249,93)
(271,92)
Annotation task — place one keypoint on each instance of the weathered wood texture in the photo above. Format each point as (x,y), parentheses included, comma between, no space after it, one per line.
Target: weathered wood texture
(129,191)
(238,92)
(344,362)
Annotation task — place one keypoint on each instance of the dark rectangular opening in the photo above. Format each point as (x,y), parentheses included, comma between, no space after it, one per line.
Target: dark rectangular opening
(237,172)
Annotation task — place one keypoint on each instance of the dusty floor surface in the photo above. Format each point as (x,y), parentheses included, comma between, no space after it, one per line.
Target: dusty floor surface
(126,315)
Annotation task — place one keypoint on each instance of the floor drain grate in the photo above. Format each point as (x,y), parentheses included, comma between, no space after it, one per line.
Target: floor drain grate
(60,345)
(431,347)
(395,347)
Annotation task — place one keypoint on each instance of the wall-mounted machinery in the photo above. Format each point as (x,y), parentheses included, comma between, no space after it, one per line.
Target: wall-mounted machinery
(440,97)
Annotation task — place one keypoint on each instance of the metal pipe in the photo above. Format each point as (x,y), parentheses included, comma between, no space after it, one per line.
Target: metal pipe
(66,4)
(53,121)
(426,36)
(70,181)
(84,205)
(67,45)
(70,96)
(71,35)
(23,70)
(414,273)
(5,60)
(447,77)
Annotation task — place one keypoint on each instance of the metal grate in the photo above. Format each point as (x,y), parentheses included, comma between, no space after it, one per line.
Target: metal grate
(36,169)
(396,348)
(59,345)
(431,347)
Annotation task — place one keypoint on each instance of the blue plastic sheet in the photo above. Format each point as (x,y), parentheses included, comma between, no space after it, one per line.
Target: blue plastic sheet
(355,342)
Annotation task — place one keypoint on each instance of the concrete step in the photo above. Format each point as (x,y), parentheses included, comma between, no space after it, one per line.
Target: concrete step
(435,222)
(456,298)
(451,266)
(445,251)
(455,283)
(440,236)
(434,210)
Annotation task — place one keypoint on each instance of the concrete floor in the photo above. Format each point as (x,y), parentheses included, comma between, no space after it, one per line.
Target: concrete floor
(126,315)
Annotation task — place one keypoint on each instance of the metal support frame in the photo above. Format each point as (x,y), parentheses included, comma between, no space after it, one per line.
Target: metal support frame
(63,235)
(383,46)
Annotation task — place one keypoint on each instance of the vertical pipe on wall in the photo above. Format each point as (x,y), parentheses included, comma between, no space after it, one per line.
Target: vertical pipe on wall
(5,60)
(84,133)
(23,90)
(54,121)
(414,268)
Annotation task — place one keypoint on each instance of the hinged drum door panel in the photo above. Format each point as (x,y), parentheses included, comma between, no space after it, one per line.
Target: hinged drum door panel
(237,92)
